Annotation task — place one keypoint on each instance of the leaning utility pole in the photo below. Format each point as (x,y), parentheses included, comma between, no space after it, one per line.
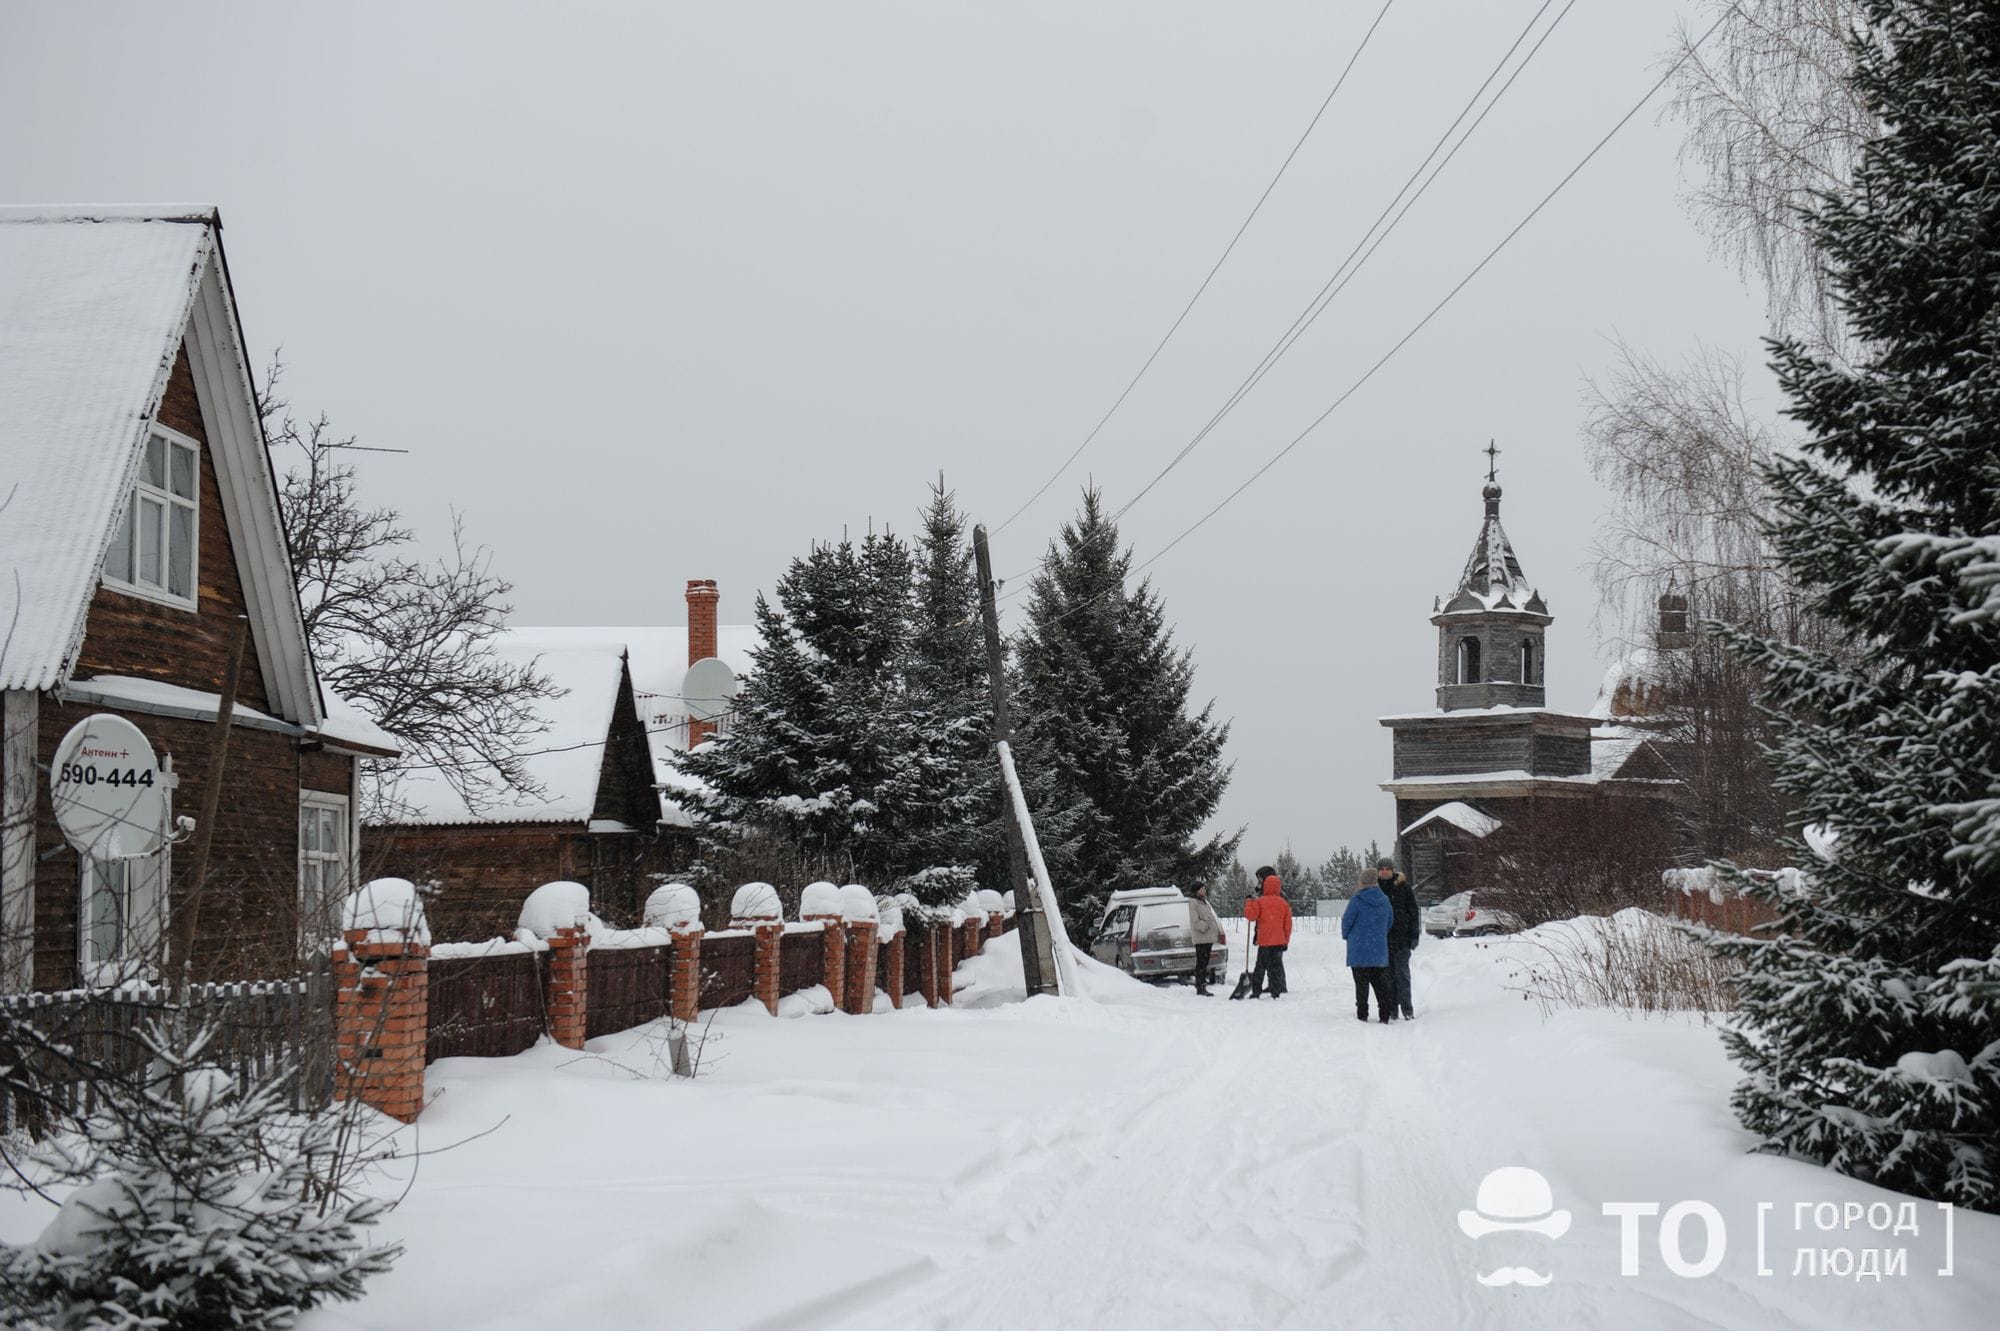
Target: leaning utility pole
(1038,964)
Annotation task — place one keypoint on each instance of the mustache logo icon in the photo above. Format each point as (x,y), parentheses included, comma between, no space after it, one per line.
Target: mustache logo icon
(1514,1275)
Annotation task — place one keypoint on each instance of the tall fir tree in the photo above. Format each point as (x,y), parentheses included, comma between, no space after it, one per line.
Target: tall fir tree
(1870,1022)
(950,694)
(1105,720)
(831,748)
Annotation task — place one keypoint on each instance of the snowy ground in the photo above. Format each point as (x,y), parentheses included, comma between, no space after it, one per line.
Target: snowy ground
(1146,1159)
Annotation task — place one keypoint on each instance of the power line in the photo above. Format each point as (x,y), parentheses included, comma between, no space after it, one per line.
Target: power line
(1349,266)
(1329,291)
(1216,268)
(1432,313)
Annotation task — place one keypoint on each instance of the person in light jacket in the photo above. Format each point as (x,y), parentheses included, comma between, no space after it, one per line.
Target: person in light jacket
(1207,931)
(1365,925)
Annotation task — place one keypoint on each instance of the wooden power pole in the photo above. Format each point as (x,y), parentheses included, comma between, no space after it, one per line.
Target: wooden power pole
(1038,963)
(187,910)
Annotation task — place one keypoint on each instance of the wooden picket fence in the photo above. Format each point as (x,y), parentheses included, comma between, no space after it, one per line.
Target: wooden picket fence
(56,1049)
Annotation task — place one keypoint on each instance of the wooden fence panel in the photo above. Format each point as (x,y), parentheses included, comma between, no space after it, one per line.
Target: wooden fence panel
(484,1007)
(801,961)
(628,987)
(728,969)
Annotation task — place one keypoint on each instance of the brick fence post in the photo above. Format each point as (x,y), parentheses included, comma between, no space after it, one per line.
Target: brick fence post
(769,960)
(684,987)
(861,965)
(892,967)
(995,926)
(927,963)
(568,996)
(835,943)
(381,1021)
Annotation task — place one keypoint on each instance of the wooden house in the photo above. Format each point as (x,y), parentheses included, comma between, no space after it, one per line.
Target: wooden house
(600,810)
(140,534)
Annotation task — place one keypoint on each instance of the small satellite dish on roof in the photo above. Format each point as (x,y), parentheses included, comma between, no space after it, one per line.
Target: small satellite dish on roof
(710,689)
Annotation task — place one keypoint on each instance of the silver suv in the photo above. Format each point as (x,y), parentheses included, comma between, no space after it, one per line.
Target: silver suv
(1147,932)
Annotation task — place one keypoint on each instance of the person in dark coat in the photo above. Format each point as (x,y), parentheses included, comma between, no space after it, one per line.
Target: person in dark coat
(1406,930)
(1270,920)
(1365,925)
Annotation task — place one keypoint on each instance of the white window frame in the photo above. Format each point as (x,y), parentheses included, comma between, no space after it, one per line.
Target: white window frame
(129,527)
(313,803)
(140,932)
(1470,669)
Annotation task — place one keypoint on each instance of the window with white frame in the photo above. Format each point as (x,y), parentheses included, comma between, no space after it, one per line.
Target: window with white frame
(153,551)
(323,865)
(121,919)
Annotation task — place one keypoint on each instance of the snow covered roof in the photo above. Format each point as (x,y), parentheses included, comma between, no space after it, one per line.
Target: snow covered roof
(95,304)
(1493,579)
(1611,747)
(1629,687)
(90,318)
(659,662)
(565,759)
(1462,816)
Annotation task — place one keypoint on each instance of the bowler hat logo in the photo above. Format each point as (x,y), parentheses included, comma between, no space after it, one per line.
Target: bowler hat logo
(1514,1199)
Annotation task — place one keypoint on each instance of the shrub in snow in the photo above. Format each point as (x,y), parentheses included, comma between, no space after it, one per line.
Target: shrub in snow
(755,901)
(1882,978)
(195,1206)
(858,903)
(555,906)
(889,911)
(673,906)
(820,898)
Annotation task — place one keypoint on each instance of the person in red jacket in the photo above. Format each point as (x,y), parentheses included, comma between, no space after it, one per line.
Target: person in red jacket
(1270,920)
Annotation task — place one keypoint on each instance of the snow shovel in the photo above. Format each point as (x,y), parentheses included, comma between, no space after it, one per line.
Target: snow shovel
(1242,989)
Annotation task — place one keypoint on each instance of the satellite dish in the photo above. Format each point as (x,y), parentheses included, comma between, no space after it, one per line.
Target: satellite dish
(710,689)
(109,793)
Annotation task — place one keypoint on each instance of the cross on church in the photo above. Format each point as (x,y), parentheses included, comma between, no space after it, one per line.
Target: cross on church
(1492,461)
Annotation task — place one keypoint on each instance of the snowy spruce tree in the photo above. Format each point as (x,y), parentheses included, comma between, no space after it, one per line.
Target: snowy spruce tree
(1104,717)
(1870,1022)
(194,1205)
(834,748)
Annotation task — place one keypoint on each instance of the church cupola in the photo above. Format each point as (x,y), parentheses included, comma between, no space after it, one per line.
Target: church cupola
(1490,649)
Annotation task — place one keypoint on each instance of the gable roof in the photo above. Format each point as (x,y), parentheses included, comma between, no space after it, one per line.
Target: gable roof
(95,304)
(565,759)
(658,658)
(1460,815)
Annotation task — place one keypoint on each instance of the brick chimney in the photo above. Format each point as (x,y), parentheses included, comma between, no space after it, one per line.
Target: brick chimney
(701,599)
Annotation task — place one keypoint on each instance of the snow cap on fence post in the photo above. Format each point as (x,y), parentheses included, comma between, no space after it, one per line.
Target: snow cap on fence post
(387,910)
(754,903)
(553,907)
(1007,903)
(858,903)
(818,901)
(673,906)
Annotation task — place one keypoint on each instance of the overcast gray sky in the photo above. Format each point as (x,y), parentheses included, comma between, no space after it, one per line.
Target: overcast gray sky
(668,291)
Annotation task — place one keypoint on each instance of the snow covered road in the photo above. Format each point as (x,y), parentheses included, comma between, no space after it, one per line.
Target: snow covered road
(1146,1159)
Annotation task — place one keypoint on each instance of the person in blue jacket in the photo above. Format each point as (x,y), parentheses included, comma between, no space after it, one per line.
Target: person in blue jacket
(1365,926)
